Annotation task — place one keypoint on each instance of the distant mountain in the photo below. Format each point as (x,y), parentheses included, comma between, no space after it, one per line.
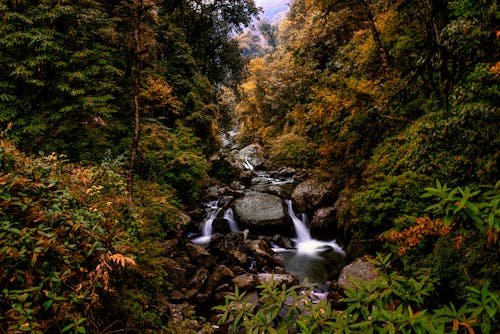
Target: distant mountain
(274,10)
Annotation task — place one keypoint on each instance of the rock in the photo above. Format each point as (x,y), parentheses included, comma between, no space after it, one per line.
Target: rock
(221,244)
(281,190)
(263,253)
(324,224)
(312,194)
(176,273)
(361,270)
(283,242)
(287,279)
(343,222)
(260,248)
(245,281)
(200,256)
(239,257)
(261,213)
(252,154)
(199,278)
(221,274)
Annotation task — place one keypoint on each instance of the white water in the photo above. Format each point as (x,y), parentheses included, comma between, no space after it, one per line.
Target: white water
(229,216)
(305,244)
(213,211)
(301,229)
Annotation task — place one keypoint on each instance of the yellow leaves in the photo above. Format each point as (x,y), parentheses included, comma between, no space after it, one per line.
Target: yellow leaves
(159,94)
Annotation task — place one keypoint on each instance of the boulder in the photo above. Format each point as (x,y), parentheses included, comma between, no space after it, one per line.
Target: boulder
(198,279)
(312,194)
(245,281)
(361,270)
(221,274)
(261,213)
(287,279)
(176,273)
(323,224)
(200,256)
(252,155)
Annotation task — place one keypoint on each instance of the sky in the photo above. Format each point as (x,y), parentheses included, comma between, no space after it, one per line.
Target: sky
(272,7)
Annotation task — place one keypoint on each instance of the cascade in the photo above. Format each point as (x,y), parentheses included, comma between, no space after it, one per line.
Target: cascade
(229,217)
(213,211)
(301,229)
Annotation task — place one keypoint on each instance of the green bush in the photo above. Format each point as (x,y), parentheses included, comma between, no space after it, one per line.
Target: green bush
(63,235)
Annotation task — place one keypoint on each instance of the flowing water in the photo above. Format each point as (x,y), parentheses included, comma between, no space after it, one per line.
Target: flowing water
(316,260)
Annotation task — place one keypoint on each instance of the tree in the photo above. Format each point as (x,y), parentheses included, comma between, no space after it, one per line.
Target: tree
(57,74)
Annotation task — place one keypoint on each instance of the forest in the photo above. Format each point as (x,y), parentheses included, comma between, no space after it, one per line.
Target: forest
(110,121)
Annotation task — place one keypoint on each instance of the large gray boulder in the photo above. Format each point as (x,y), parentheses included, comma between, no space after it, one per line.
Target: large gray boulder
(261,213)
(312,194)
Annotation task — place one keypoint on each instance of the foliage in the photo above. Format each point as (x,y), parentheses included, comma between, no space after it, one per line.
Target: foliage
(58,75)
(173,157)
(389,304)
(64,236)
(293,150)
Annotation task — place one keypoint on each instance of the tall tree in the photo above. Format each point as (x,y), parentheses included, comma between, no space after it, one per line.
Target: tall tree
(57,75)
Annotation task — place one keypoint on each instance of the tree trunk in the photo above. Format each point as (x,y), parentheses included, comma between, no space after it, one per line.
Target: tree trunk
(137,90)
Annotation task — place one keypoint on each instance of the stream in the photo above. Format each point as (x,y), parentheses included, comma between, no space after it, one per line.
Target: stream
(303,256)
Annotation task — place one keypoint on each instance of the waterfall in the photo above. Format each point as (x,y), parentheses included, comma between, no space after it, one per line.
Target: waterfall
(213,211)
(300,227)
(247,165)
(305,244)
(229,216)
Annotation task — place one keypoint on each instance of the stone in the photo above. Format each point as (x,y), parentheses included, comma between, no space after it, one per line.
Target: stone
(287,279)
(200,256)
(245,281)
(199,278)
(220,275)
(261,213)
(324,224)
(252,154)
(312,194)
(176,273)
(361,270)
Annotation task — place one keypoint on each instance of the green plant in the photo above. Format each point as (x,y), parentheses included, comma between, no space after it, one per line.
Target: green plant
(392,303)
(470,205)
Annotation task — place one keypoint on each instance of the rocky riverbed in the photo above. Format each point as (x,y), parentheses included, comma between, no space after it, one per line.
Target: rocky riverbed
(252,237)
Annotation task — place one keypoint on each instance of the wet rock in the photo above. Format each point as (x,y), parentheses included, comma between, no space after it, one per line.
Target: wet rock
(361,270)
(264,255)
(287,279)
(281,190)
(252,154)
(200,256)
(245,281)
(343,222)
(312,194)
(221,244)
(261,213)
(283,242)
(324,224)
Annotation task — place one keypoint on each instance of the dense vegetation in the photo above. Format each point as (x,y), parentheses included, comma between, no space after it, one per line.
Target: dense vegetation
(109,111)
